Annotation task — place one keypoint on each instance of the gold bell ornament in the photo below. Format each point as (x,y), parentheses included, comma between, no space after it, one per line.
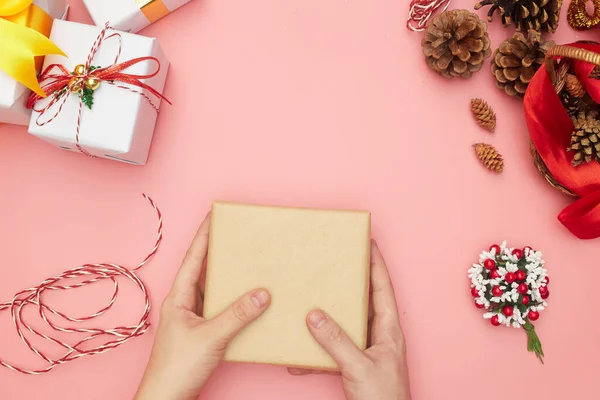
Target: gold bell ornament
(92,83)
(79,70)
(75,85)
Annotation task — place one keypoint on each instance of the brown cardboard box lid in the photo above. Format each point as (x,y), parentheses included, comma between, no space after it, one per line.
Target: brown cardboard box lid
(306,259)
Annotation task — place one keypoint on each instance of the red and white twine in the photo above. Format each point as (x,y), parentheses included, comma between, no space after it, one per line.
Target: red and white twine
(90,273)
(57,81)
(421,11)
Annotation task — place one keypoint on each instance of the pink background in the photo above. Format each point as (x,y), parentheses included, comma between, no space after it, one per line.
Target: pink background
(310,103)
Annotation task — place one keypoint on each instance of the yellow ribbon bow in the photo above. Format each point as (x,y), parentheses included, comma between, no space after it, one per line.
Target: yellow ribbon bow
(20,42)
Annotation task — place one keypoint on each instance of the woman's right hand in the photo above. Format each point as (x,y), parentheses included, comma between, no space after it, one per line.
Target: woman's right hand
(381,371)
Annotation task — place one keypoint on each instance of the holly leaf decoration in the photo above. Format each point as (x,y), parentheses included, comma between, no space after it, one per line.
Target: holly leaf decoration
(87,97)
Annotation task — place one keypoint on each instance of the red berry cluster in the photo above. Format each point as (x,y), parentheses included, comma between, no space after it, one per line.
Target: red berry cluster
(512,285)
(519,276)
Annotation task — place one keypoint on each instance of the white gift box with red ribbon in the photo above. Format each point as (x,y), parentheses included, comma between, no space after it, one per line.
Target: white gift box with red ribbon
(120,124)
(130,15)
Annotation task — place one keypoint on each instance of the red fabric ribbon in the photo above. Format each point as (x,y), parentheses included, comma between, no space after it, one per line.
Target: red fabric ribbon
(57,81)
(550,128)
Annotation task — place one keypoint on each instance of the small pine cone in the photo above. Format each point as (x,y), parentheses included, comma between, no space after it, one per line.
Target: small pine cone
(484,114)
(585,139)
(489,157)
(571,104)
(574,105)
(595,74)
(574,86)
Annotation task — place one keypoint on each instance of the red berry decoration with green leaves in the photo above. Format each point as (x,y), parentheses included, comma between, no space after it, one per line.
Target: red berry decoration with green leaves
(511,285)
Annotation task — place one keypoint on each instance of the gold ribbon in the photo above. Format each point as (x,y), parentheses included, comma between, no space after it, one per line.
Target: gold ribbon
(24,28)
(153,9)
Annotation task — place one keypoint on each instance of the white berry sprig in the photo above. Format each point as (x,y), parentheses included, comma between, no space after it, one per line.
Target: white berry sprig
(511,285)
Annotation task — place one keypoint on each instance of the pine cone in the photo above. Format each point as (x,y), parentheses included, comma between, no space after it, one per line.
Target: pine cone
(539,15)
(484,114)
(572,104)
(585,140)
(516,61)
(574,86)
(456,43)
(489,157)
(595,74)
(575,105)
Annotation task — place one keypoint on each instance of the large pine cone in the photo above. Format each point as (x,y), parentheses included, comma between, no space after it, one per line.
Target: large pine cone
(456,43)
(516,61)
(539,15)
(585,140)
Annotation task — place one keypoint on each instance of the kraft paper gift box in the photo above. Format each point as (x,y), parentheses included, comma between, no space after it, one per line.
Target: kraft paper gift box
(130,15)
(120,124)
(306,259)
(13,94)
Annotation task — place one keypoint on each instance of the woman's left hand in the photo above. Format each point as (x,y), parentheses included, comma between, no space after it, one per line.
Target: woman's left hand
(188,348)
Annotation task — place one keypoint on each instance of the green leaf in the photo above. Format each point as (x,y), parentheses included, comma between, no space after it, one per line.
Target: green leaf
(533,341)
(93,67)
(87,97)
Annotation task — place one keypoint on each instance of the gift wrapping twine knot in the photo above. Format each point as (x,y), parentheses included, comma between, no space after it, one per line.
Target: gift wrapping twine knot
(59,83)
(90,273)
(420,12)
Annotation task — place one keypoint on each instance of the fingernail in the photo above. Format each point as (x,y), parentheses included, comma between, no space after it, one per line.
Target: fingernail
(317,319)
(260,298)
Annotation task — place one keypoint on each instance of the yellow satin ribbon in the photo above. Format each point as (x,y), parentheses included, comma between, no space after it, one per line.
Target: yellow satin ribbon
(24,28)
(153,9)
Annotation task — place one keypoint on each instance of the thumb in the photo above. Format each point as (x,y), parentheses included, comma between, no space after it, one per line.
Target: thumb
(241,313)
(335,341)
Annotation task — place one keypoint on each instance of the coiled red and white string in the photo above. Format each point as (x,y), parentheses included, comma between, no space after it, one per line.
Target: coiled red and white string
(420,12)
(91,273)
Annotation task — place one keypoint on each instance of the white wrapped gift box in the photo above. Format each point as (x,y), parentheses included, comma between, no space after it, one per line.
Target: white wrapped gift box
(13,94)
(130,15)
(120,124)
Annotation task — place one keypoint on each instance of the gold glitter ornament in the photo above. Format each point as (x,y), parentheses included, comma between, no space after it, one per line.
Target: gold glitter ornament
(578,17)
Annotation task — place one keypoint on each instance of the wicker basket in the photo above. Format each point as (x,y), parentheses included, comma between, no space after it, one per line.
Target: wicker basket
(558,74)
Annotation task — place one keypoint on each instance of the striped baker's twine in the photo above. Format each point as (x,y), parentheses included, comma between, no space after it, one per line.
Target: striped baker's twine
(90,273)
(420,12)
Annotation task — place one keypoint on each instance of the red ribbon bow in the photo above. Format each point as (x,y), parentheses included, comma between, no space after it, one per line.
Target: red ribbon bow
(57,82)
(550,128)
